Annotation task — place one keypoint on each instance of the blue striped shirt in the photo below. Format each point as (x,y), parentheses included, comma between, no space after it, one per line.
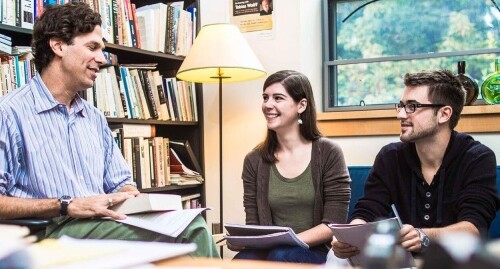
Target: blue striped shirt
(46,152)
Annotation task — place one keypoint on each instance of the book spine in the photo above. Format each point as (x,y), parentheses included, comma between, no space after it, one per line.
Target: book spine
(142,106)
(134,97)
(130,110)
(136,130)
(136,27)
(172,88)
(18,11)
(165,82)
(136,162)
(148,92)
(166,162)
(27,13)
(131,24)
(158,161)
(115,18)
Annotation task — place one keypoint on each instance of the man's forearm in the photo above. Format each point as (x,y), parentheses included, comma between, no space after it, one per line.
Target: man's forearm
(13,207)
(462,226)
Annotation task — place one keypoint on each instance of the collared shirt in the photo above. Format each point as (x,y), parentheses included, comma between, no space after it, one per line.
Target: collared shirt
(46,152)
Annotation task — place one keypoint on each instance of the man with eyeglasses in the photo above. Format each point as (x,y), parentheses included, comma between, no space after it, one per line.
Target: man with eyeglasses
(438,179)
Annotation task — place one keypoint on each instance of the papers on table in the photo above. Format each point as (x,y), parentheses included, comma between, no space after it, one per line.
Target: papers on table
(12,247)
(170,223)
(69,253)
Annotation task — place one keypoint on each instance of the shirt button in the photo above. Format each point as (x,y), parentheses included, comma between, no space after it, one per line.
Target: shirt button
(81,178)
(428,194)
(427,206)
(426,217)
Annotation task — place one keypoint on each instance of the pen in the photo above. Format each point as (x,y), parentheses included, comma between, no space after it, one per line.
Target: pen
(397,215)
(218,241)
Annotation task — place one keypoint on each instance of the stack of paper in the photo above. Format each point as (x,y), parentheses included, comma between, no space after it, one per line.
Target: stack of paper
(357,235)
(261,237)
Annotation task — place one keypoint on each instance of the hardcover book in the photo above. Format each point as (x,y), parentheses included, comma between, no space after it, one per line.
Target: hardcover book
(186,154)
(135,130)
(261,237)
(149,202)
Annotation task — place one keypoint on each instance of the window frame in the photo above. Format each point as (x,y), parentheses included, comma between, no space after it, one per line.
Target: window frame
(330,66)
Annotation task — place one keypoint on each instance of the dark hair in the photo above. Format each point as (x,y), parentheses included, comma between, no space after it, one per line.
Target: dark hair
(444,88)
(298,87)
(62,22)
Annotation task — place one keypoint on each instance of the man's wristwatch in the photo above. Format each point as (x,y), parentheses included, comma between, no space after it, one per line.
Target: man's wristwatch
(65,200)
(424,239)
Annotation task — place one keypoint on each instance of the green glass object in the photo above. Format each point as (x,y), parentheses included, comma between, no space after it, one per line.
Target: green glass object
(491,86)
(469,84)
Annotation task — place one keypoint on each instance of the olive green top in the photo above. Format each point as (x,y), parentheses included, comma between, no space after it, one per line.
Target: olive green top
(292,199)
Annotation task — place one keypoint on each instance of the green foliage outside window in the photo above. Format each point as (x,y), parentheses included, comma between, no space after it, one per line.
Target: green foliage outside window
(374,43)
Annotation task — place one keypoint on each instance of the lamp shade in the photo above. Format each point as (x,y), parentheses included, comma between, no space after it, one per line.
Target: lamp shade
(220,50)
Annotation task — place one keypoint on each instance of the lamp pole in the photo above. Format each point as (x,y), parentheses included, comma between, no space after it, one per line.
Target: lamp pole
(220,77)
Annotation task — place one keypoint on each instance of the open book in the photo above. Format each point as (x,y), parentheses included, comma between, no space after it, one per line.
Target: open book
(357,235)
(261,237)
(149,202)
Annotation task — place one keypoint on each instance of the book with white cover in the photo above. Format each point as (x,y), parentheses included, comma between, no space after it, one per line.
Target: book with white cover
(149,202)
(135,130)
(261,237)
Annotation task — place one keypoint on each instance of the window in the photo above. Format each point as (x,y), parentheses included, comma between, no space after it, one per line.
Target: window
(370,45)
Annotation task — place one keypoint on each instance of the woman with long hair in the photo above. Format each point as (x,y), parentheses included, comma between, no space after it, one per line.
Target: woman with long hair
(295,177)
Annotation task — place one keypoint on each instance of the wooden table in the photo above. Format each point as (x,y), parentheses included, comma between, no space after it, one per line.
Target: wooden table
(228,264)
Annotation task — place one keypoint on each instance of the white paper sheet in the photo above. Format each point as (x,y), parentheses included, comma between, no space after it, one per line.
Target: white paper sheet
(170,223)
(70,253)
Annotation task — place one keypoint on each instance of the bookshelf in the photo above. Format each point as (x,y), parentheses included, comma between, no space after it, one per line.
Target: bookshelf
(168,65)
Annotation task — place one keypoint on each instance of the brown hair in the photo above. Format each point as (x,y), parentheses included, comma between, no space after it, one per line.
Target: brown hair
(62,22)
(444,88)
(298,87)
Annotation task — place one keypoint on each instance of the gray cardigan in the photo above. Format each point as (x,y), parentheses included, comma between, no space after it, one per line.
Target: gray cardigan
(330,178)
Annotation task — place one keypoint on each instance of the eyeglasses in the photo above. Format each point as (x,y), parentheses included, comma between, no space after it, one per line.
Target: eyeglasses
(410,108)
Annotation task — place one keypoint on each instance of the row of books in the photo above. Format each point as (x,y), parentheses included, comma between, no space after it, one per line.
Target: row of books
(20,13)
(156,161)
(15,71)
(191,201)
(166,28)
(160,27)
(142,93)
(5,44)
(119,92)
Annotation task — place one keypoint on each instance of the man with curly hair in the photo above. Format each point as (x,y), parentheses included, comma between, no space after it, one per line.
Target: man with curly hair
(58,158)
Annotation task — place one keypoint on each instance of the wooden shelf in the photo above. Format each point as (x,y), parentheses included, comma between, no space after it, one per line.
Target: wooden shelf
(155,122)
(15,29)
(172,188)
(474,119)
(158,55)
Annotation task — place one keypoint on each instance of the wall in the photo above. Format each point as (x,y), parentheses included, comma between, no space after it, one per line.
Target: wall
(294,43)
